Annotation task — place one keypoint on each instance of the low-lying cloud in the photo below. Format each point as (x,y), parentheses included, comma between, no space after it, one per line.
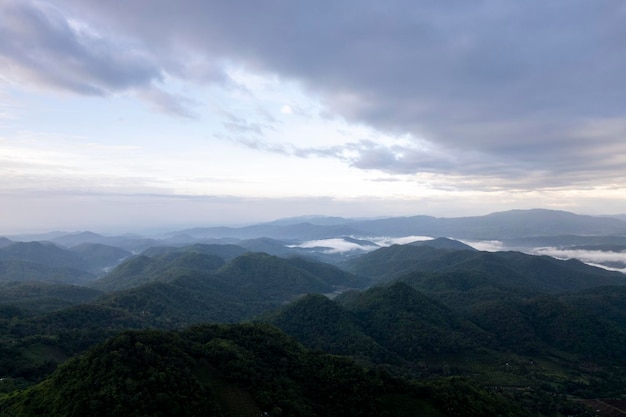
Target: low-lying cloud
(340,245)
(337,245)
(604,259)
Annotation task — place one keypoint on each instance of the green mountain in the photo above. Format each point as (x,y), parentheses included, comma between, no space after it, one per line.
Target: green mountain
(321,324)
(45,261)
(610,302)
(224,251)
(512,269)
(271,277)
(391,262)
(410,324)
(24,271)
(245,370)
(443,243)
(100,257)
(528,329)
(129,242)
(267,245)
(32,346)
(182,288)
(41,297)
(184,301)
(44,253)
(391,324)
(142,269)
(329,273)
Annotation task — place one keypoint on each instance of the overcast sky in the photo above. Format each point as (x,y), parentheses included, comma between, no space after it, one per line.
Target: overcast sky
(128,114)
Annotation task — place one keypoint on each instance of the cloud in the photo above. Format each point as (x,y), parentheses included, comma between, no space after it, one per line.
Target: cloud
(340,245)
(615,260)
(485,245)
(167,103)
(405,240)
(528,92)
(41,46)
(335,245)
(241,125)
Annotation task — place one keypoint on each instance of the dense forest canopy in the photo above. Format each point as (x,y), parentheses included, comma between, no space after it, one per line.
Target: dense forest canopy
(215,328)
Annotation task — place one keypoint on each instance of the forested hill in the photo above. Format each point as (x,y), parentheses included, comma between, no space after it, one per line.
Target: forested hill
(512,269)
(388,323)
(244,370)
(518,329)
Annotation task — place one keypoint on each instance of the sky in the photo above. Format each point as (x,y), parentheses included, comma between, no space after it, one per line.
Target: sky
(128,114)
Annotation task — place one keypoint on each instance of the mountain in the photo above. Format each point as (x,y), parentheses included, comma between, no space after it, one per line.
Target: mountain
(246,370)
(224,251)
(410,324)
(130,242)
(609,302)
(312,219)
(568,241)
(182,288)
(100,257)
(24,271)
(536,222)
(267,245)
(516,228)
(387,324)
(248,272)
(520,271)
(392,261)
(44,253)
(271,276)
(184,301)
(4,242)
(556,323)
(321,324)
(513,269)
(329,273)
(41,297)
(299,231)
(31,237)
(412,333)
(142,269)
(501,225)
(530,328)
(45,261)
(73,239)
(443,243)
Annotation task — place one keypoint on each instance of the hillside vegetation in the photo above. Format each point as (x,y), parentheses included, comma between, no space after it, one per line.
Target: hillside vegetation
(444,329)
(247,370)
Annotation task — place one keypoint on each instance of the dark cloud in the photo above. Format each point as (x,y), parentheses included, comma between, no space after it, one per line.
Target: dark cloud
(39,42)
(506,88)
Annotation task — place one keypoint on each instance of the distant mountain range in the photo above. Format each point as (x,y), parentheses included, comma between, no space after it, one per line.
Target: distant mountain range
(503,225)
(83,256)
(514,224)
